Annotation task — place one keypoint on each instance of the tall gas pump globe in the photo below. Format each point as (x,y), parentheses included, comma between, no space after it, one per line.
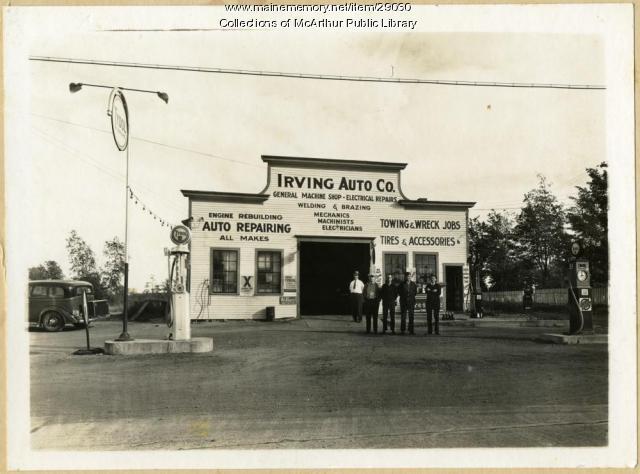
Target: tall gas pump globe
(179,313)
(580,301)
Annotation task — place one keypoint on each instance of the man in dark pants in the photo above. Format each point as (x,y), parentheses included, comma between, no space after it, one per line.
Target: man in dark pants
(433,304)
(407,292)
(355,289)
(371,295)
(389,295)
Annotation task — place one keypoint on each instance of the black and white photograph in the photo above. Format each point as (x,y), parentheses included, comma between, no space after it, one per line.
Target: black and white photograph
(341,235)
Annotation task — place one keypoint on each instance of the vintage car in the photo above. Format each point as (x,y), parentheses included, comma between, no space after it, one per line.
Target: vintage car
(55,303)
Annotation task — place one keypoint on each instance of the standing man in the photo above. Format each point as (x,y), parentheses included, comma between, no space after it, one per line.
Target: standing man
(433,304)
(389,295)
(371,304)
(355,288)
(407,292)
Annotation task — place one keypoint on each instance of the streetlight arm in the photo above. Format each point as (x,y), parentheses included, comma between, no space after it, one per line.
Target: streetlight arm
(77,86)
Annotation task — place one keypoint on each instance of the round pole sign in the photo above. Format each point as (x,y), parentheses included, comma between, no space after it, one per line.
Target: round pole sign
(180,235)
(119,119)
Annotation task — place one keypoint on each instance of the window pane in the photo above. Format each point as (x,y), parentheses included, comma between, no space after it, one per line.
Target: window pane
(395,264)
(56,291)
(269,272)
(426,266)
(224,271)
(39,291)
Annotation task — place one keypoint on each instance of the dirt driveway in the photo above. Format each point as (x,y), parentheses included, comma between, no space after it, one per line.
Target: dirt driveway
(319,383)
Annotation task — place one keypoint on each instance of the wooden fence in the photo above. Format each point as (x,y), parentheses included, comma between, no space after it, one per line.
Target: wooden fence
(551,297)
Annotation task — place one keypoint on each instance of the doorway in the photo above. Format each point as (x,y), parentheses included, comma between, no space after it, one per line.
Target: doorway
(326,268)
(454,290)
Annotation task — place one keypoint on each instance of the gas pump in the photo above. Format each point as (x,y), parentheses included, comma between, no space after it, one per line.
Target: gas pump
(179,312)
(580,301)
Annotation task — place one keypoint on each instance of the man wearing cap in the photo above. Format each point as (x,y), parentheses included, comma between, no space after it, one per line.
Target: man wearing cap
(407,292)
(371,294)
(355,289)
(433,305)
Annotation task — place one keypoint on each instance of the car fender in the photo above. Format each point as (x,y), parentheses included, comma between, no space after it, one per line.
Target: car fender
(68,317)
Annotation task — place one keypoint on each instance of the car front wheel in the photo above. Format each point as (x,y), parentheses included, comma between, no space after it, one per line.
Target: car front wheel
(52,322)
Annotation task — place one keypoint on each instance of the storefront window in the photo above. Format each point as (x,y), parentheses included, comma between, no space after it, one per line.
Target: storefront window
(425,267)
(395,264)
(224,271)
(269,272)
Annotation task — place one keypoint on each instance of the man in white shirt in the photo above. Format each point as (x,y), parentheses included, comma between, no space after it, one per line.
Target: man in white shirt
(355,289)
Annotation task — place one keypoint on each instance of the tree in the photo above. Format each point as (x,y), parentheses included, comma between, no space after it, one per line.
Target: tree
(83,263)
(150,286)
(81,258)
(153,286)
(113,269)
(492,252)
(540,234)
(588,219)
(505,266)
(49,270)
(479,249)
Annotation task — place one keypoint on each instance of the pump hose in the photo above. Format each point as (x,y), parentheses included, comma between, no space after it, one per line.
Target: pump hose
(169,314)
(168,317)
(202,293)
(573,293)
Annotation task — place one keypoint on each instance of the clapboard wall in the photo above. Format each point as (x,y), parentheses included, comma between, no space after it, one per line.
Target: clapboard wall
(303,202)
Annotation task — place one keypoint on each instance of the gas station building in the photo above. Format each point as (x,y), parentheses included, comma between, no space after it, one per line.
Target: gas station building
(295,245)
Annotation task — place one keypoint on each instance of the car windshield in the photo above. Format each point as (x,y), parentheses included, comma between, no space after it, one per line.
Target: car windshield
(86,289)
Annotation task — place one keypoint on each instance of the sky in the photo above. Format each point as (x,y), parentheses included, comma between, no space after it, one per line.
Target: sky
(482,144)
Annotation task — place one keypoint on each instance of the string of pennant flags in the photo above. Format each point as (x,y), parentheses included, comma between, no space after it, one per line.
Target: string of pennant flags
(146,209)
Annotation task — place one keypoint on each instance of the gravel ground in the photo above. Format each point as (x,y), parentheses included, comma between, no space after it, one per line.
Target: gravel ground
(319,383)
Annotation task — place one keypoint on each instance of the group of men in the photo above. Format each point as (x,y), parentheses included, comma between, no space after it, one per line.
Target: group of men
(365,298)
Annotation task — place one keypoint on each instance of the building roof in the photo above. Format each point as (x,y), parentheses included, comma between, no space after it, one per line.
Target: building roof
(435,205)
(213,196)
(326,163)
(331,163)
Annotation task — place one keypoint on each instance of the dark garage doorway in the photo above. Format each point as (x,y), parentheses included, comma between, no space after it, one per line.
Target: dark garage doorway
(326,268)
(454,290)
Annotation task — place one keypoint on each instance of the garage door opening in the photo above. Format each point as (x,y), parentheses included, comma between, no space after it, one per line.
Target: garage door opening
(454,290)
(326,268)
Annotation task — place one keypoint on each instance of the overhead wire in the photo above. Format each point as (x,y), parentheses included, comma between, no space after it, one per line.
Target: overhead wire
(199,153)
(95,163)
(305,76)
(86,158)
(117,176)
(328,77)
(166,145)
(120,176)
